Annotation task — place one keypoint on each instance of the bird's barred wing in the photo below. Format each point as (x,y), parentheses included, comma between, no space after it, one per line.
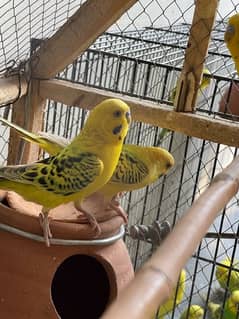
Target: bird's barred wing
(129,170)
(63,175)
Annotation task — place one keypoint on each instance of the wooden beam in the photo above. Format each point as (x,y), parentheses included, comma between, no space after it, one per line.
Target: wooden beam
(76,35)
(16,144)
(203,20)
(11,89)
(204,127)
(28,113)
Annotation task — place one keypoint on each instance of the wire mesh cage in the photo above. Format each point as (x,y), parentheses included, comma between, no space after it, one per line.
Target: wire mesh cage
(142,56)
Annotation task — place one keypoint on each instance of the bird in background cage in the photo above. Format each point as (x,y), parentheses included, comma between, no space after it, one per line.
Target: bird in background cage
(176,297)
(78,170)
(231,38)
(226,278)
(203,85)
(205,82)
(229,311)
(194,312)
(137,167)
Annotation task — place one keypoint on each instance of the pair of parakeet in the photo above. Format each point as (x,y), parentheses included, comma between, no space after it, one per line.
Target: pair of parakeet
(175,298)
(193,312)
(93,162)
(230,310)
(228,279)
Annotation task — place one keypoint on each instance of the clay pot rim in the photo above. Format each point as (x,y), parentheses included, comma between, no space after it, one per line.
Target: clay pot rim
(66,242)
(62,229)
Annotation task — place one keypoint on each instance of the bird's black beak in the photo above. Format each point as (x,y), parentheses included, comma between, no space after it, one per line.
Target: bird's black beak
(117,129)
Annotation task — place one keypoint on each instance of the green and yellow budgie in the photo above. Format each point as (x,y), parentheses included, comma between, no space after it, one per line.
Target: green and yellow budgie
(231,38)
(79,169)
(222,274)
(205,82)
(176,297)
(194,312)
(137,167)
(231,308)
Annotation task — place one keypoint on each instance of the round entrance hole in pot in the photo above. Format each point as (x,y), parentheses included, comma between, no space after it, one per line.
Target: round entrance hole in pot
(80,288)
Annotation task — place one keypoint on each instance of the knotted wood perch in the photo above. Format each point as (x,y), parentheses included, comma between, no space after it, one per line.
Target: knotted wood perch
(155,280)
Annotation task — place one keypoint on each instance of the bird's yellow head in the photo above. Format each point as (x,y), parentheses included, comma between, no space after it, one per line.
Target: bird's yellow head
(221,270)
(109,120)
(232,28)
(233,301)
(194,312)
(162,158)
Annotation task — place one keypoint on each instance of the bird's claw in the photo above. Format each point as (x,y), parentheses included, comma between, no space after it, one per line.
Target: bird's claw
(44,222)
(119,210)
(96,228)
(93,224)
(91,220)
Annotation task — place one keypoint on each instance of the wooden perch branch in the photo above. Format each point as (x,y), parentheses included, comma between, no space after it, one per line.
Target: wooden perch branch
(10,90)
(152,283)
(216,130)
(76,35)
(204,16)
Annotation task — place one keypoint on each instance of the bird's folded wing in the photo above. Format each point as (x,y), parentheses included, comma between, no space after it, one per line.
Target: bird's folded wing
(63,175)
(130,169)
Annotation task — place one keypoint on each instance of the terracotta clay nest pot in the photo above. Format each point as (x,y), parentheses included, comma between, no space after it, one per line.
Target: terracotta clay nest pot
(229,103)
(63,281)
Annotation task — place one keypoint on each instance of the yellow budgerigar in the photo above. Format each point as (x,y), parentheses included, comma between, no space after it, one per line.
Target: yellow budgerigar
(137,167)
(230,309)
(215,309)
(205,82)
(176,297)
(79,169)
(223,273)
(231,38)
(194,312)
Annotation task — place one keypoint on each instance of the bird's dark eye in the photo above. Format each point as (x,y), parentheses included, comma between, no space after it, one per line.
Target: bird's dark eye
(127,115)
(230,28)
(117,113)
